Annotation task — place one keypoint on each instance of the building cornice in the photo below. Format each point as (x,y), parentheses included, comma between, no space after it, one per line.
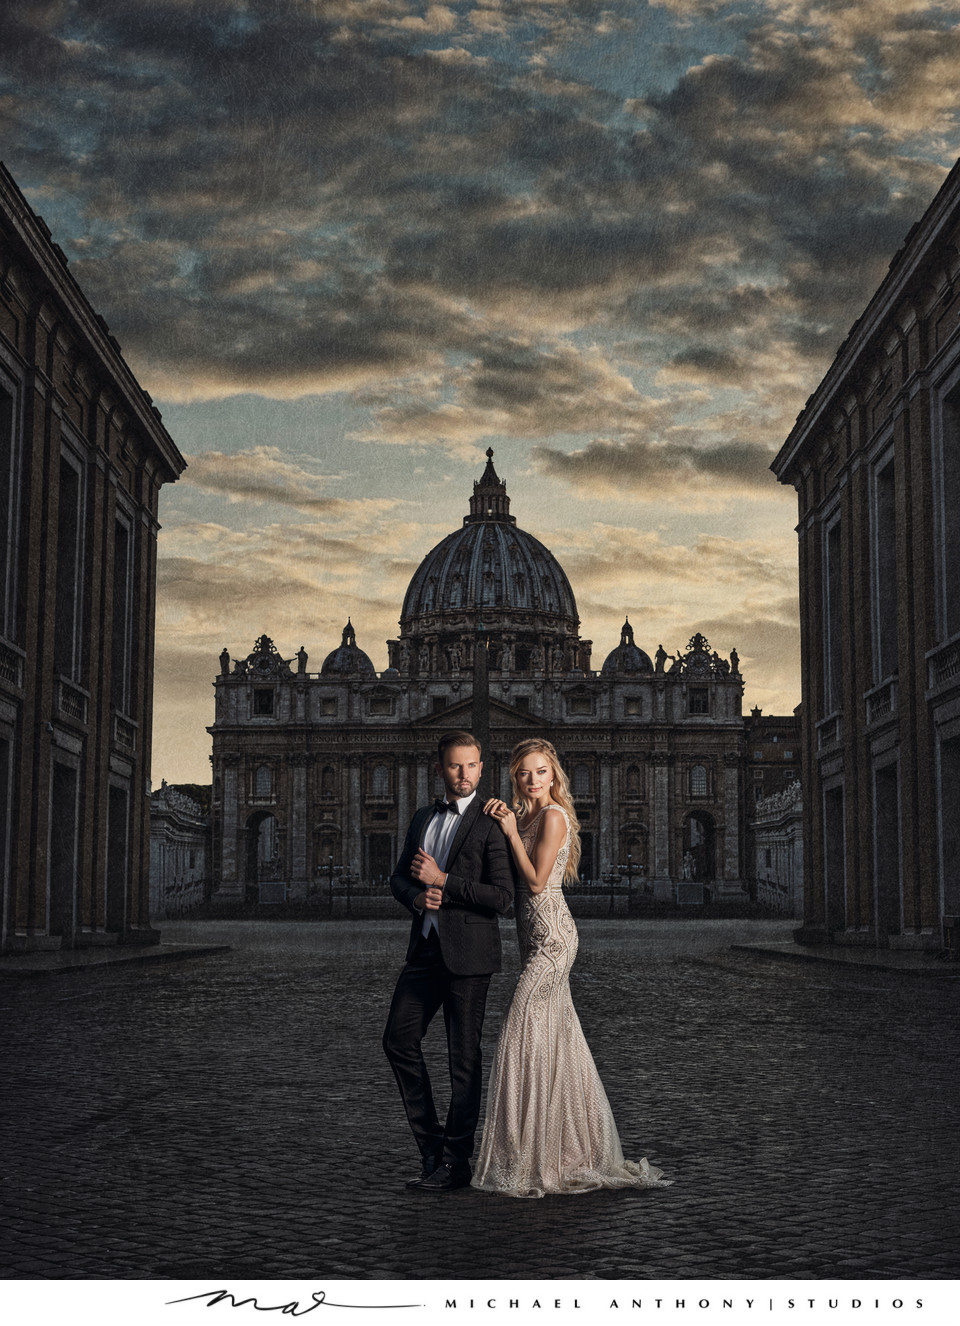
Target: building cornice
(30,233)
(897,286)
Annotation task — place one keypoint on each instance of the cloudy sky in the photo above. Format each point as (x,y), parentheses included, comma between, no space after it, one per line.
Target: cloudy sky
(349,244)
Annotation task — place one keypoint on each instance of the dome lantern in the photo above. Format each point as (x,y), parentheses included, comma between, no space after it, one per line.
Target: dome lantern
(489,500)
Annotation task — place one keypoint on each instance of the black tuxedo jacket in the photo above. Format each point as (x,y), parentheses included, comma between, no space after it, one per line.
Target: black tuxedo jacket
(479,887)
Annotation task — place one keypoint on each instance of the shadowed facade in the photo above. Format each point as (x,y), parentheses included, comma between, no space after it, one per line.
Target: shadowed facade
(83,455)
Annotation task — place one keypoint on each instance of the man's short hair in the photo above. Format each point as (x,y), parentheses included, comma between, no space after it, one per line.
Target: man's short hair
(456,739)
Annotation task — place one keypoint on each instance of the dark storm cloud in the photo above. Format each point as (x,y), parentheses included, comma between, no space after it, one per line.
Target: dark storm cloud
(291,197)
(265,475)
(657,468)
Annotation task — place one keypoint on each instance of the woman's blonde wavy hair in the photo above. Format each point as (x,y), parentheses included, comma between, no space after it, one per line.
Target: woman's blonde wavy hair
(560,792)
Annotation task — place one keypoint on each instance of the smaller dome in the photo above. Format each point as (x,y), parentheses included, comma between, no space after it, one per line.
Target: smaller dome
(392,673)
(627,657)
(348,658)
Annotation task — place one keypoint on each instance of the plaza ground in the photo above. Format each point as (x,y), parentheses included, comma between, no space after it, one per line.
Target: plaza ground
(233,1115)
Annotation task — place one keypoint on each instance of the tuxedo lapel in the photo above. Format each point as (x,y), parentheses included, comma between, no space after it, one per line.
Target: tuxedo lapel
(467,821)
(422,818)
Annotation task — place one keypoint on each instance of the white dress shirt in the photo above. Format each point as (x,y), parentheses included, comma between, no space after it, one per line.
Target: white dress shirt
(437,839)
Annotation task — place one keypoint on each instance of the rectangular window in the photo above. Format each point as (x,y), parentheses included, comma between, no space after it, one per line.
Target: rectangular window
(887,847)
(834,854)
(9,516)
(788,754)
(381,707)
(328,708)
(885,574)
(698,781)
(950,825)
(699,700)
(121,642)
(522,702)
(262,703)
(118,856)
(950,507)
(633,706)
(62,858)
(832,617)
(579,705)
(67,643)
(6,810)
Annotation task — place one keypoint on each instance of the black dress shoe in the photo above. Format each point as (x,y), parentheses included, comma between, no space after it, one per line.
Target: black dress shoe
(427,1166)
(445,1178)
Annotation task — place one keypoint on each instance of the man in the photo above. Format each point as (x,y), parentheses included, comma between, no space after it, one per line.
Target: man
(455,875)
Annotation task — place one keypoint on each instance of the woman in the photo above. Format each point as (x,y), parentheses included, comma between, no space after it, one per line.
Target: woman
(548,1126)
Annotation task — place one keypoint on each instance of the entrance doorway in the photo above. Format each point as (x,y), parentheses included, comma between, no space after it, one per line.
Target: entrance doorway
(699,847)
(264,858)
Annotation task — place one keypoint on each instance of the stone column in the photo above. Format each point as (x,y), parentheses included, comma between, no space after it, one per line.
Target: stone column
(660,825)
(229,884)
(404,811)
(297,868)
(731,817)
(353,855)
(608,851)
(423,779)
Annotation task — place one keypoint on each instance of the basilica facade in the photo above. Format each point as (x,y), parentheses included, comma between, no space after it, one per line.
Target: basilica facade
(320,772)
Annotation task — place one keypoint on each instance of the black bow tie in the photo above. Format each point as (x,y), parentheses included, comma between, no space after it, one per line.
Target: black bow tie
(442,805)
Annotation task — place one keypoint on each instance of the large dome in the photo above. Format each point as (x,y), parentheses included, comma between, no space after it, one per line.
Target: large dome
(490,570)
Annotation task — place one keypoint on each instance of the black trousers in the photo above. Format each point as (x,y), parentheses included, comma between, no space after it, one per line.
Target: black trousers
(424,986)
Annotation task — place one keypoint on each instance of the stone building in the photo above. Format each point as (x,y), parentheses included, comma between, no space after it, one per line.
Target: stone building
(875,459)
(179,853)
(83,454)
(773,754)
(776,837)
(314,771)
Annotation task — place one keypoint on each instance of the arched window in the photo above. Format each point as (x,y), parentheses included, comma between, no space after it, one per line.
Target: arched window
(263,781)
(633,781)
(698,781)
(581,781)
(380,781)
(327,782)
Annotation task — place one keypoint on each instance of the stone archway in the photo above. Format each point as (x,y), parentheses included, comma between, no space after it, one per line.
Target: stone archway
(699,847)
(264,856)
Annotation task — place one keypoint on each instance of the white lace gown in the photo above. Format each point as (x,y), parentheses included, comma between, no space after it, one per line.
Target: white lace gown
(548,1126)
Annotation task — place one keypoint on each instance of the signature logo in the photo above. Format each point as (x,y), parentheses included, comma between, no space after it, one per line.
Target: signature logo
(318,1299)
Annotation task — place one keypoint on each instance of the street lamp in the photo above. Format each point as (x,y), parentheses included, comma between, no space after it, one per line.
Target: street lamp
(330,870)
(611,877)
(631,870)
(348,879)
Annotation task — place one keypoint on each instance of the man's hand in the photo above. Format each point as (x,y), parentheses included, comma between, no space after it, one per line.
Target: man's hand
(425,869)
(432,899)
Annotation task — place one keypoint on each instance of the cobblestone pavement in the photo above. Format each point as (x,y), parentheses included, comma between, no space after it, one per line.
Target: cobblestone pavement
(233,1115)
